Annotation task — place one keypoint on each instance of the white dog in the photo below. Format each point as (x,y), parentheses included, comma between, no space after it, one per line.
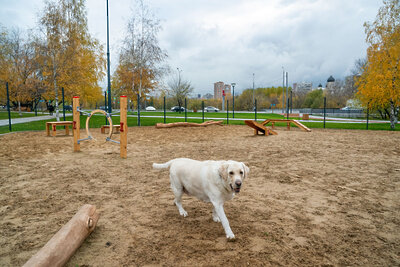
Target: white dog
(210,181)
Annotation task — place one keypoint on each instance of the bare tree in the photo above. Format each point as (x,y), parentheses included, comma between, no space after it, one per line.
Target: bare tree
(180,89)
(141,55)
(359,66)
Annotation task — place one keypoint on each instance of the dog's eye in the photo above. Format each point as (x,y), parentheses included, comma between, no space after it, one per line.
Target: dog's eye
(231,173)
(241,172)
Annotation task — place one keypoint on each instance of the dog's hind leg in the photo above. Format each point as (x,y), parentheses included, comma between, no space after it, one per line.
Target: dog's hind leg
(177,189)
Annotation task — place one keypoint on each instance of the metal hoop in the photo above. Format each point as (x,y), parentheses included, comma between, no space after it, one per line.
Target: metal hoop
(109,121)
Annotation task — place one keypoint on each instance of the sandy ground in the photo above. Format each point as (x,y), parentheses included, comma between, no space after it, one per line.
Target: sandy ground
(329,197)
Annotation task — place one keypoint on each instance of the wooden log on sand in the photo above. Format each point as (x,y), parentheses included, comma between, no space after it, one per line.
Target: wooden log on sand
(188,124)
(67,240)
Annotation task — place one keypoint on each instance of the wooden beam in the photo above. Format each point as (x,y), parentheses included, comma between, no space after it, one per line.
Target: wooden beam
(188,124)
(59,249)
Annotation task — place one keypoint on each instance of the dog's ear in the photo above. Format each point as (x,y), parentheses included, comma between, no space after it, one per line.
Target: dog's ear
(223,171)
(246,170)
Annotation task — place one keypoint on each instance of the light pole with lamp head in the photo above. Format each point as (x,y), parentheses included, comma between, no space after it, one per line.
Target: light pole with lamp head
(233,99)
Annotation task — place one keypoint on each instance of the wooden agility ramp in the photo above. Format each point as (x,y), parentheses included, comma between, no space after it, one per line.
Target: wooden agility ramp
(288,122)
(260,128)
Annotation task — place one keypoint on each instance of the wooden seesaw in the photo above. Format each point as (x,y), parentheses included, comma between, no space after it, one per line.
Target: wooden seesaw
(259,128)
(123,126)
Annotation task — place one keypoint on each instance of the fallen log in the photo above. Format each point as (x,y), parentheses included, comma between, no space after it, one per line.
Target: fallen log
(59,249)
(188,124)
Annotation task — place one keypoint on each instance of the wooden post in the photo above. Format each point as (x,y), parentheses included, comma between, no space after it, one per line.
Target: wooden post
(76,123)
(59,249)
(123,126)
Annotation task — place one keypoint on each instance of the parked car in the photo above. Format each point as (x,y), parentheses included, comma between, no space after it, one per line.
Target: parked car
(150,108)
(211,109)
(176,109)
(68,107)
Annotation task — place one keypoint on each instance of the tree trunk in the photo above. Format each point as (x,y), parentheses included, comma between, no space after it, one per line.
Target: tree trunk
(393,115)
(19,108)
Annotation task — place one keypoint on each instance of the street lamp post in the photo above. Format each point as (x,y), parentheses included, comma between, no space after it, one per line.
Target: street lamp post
(179,88)
(233,99)
(108,66)
(253,93)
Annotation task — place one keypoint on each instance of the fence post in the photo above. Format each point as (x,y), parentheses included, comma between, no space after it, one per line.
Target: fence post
(165,117)
(287,108)
(324,110)
(255,109)
(8,108)
(185,110)
(138,110)
(202,108)
(227,111)
(35,106)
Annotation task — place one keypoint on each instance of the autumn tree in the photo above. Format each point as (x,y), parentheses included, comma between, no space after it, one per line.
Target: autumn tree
(379,84)
(5,51)
(140,62)
(314,99)
(69,56)
(21,68)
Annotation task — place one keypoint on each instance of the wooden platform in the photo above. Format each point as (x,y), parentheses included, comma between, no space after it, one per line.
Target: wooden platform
(259,128)
(288,123)
(54,124)
(116,128)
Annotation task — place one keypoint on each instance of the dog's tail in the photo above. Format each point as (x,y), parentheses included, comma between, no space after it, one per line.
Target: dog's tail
(162,165)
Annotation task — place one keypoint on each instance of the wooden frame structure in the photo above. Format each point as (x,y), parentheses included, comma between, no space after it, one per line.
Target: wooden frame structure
(123,126)
(288,123)
(54,124)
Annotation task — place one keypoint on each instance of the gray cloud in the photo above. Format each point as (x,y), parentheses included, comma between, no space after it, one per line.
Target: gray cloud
(229,40)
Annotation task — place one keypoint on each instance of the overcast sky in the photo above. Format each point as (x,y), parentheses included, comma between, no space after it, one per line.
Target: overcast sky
(229,40)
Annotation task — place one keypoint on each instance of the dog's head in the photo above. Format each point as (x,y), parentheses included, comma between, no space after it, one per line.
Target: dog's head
(233,173)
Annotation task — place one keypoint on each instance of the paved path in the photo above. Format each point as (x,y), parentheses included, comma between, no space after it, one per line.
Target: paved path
(29,119)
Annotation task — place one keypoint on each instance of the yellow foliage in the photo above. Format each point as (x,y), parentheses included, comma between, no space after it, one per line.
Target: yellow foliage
(379,84)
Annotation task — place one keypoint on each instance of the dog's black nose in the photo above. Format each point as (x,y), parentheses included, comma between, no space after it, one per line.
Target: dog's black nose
(238,183)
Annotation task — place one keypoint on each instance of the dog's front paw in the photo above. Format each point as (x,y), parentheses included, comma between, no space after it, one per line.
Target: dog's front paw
(230,237)
(183,213)
(216,219)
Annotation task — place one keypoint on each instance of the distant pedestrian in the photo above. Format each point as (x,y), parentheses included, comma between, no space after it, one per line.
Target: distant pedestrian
(51,109)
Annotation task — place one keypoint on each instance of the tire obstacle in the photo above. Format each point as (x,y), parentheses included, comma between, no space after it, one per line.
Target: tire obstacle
(123,125)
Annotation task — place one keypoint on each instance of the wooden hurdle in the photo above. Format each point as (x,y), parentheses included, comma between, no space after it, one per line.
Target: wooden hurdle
(123,125)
